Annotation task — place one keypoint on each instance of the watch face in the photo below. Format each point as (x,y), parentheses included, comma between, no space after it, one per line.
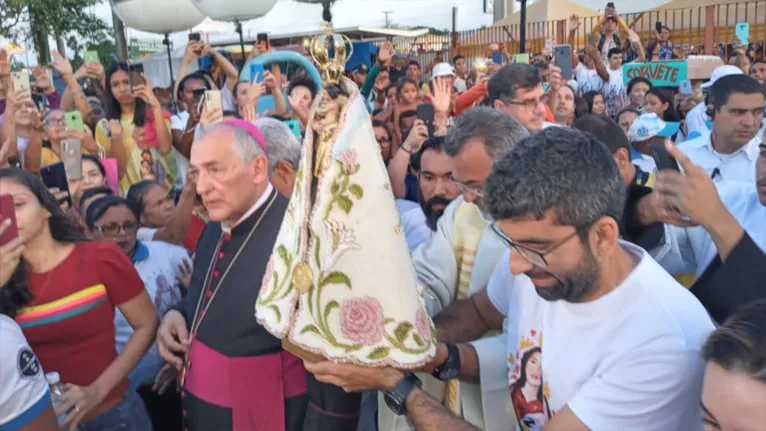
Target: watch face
(394,404)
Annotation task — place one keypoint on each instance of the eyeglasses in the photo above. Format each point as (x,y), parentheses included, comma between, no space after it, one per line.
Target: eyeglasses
(477,191)
(50,122)
(529,104)
(535,257)
(383,140)
(112,229)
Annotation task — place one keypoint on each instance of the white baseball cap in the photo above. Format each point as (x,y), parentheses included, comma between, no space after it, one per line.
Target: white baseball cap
(443,69)
(720,72)
(649,125)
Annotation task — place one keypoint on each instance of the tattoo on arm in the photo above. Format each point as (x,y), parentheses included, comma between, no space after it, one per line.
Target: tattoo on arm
(428,415)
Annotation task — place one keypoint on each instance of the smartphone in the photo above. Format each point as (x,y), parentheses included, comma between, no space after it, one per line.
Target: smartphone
(263,40)
(135,71)
(71,156)
(20,80)
(199,96)
(91,57)
(591,39)
(658,26)
(74,121)
(54,175)
(196,37)
(663,159)
(8,211)
(562,54)
(213,100)
(295,127)
(610,5)
(425,113)
(256,70)
(497,57)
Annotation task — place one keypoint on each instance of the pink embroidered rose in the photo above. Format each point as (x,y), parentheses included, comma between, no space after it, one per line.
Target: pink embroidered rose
(361,320)
(348,159)
(423,325)
(267,276)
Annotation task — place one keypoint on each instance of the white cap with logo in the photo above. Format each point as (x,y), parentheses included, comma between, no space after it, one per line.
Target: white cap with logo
(720,72)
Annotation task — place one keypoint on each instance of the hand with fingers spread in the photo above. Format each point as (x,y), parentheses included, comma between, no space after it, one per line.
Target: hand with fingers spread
(165,379)
(10,253)
(184,274)
(248,113)
(385,53)
(256,90)
(270,81)
(173,339)
(442,96)
(145,93)
(5,66)
(61,65)
(691,194)
(42,79)
(574,22)
(633,36)
(77,402)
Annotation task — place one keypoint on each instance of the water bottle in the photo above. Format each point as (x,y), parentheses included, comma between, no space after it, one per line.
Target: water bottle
(57,390)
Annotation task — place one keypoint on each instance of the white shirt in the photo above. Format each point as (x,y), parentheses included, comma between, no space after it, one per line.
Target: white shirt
(158,270)
(587,79)
(227,99)
(629,360)
(460,84)
(738,166)
(416,230)
(178,122)
(646,163)
(696,117)
(23,392)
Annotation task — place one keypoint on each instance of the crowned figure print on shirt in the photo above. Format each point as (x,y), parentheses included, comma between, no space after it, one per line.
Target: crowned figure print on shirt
(529,393)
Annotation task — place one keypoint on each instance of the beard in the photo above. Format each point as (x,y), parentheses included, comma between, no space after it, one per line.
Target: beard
(574,285)
(433,215)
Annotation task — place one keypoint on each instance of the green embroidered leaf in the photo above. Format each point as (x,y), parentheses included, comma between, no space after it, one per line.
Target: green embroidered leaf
(334,187)
(336,277)
(356,169)
(353,348)
(387,321)
(277,312)
(310,328)
(282,252)
(345,203)
(356,190)
(330,306)
(402,331)
(418,340)
(379,353)
(316,251)
(276,281)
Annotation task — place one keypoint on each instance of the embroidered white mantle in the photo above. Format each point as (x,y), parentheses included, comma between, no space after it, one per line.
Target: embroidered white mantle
(364,304)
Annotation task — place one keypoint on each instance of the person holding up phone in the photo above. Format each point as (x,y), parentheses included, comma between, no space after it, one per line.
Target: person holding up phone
(660,47)
(607,29)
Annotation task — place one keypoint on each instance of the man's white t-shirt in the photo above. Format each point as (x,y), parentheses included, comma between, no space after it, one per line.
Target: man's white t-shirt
(178,122)
(23,391)
(629,360)
(587,79)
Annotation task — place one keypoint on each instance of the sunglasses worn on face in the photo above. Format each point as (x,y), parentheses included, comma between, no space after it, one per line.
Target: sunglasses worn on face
(112,229)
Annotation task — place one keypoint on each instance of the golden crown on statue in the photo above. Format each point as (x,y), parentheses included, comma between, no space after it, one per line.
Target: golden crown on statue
(331,68)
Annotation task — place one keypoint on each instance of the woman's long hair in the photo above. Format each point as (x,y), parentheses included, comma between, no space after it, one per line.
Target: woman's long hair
(136,194)
(666,96)
(112,105)
(15,293)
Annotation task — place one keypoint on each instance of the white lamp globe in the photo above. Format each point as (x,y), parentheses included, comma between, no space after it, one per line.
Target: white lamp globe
(157,16)
(234,10)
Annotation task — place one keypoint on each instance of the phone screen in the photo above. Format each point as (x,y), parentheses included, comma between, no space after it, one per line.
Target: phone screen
(658,26)
(8,211)
(425,113)
(135,74)
(54,175)
(91,57)
(71,156)
(563,57)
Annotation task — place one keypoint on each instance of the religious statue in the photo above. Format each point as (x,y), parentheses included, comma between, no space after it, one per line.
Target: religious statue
(340,284)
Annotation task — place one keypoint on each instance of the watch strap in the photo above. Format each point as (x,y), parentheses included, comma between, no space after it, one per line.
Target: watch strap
(451,367)
(404,388)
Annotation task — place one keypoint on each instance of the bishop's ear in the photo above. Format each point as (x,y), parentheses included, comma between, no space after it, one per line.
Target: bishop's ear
(260,169)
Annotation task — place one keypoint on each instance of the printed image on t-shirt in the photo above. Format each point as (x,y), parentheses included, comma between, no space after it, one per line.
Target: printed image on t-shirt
(529,393)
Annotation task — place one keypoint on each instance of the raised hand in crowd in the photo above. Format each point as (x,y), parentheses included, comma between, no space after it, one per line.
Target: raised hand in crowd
(270,81)
(5,66)
(61,65)
(5,151)
(210,117)
(441,97)
(256,90)
(145,93)
(633,36)
(574,22)
(386,52)
(86,137)
(42,79)
(10,253)
(416,137)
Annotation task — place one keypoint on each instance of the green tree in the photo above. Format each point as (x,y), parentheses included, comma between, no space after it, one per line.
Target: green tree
(106,51)
(67,21)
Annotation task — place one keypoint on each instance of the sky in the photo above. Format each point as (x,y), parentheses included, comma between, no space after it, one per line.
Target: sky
(288,16)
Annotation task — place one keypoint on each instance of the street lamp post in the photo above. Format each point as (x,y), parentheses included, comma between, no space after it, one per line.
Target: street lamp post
(523,27)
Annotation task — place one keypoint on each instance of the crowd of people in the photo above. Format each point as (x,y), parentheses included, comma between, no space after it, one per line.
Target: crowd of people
(591,251)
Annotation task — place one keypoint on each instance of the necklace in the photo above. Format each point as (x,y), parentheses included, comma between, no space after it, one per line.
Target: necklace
(198,317)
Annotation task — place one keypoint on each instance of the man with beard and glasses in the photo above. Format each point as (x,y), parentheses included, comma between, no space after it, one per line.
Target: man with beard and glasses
(459,258)
(599,336)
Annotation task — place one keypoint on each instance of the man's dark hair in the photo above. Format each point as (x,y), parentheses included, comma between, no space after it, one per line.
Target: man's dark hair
(635,81)
(456,58)
(303,80)
(581,108)
(543,65)
(498,130)
(740,344)
(404,115)
(625,111)
(557,169)
(436,143)
(613,51)
(189,77)
(605,130)
(511,78)
(724,87)
(89,193)
(413,63)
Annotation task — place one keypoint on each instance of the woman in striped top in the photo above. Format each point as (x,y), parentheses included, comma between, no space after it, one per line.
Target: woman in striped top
(67,290)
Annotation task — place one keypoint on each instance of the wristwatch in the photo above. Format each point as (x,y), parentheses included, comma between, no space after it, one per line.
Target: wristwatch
(396,400)
(450,369)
